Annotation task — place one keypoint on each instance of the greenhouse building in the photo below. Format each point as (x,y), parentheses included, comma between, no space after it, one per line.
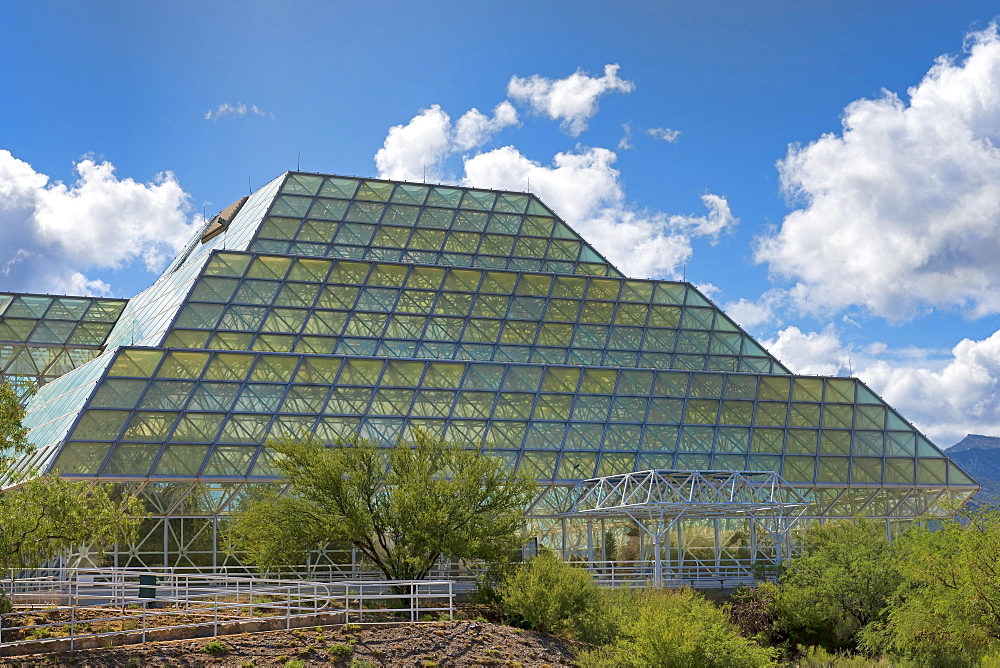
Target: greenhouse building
(347,306)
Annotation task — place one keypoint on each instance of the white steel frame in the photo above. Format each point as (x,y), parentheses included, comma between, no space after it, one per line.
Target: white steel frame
(656,499)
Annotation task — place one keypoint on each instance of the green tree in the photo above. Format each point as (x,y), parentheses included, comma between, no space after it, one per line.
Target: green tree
(402,507)
(40,515)
(839,583)
(948,610)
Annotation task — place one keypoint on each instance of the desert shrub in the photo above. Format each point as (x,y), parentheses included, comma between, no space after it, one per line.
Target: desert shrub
(679,629)
(547,594)
(340,650)
(817,657)
(947,612)
(752,612)
(216,647)
(606,620)
(839,583)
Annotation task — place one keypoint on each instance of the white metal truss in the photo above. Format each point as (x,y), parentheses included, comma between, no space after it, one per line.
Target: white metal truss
(656,499)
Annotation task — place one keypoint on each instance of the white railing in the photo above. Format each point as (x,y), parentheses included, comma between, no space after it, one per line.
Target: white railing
(691,573)
(139,605)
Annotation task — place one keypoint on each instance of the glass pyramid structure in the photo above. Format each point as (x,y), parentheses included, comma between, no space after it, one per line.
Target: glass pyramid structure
(343,305)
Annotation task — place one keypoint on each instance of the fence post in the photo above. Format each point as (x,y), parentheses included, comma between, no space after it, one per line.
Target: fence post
(72,628)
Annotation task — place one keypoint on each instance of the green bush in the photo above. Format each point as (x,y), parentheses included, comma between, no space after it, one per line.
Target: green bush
(6,605)
(605,621)
(340,650)
(678,629)
(840,582)
(547,594)
(217,647)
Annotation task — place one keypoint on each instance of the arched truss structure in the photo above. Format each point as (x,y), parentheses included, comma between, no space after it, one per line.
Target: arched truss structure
(656,499)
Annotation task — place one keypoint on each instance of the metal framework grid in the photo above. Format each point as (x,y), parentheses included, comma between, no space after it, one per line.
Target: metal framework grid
(656,499)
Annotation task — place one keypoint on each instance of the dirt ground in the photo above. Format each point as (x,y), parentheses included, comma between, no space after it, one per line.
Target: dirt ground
(458,643)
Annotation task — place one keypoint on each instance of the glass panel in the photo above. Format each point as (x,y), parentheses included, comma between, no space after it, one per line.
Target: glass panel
(799,469)
(899,470)
(139,363)
(181,460)
(803,415)
(131,459)
(835,442)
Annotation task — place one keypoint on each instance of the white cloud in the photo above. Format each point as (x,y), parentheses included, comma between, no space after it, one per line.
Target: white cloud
(750,314)
(473,128)
(625,142)
(416,151)
(584,189)
(900,212)
(573,100)
(666,134)
(53,232)
(719,219)
(581,186)
(416,148)
(813,353)
(226,110)
(945,395)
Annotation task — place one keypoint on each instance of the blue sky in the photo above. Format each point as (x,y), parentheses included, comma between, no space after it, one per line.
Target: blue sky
(826,173)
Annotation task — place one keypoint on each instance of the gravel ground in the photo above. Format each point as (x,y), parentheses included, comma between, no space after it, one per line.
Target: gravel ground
(459,643)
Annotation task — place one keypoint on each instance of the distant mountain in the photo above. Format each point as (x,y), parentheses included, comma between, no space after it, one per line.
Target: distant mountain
(980,456)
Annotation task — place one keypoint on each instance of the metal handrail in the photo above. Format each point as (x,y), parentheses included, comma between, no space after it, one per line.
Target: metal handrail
(102,596)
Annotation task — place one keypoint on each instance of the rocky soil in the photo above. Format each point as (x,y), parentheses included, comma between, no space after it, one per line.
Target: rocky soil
(458,643)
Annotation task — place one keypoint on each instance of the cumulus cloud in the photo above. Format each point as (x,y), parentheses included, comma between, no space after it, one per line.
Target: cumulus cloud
(571,101)
(410,149)
(750,314)
(946,395)
(226,110)
(900,212)
(813,353)
(666,134)
(474,128)
(417,150)
(581,185)
(584,189)
(54,232)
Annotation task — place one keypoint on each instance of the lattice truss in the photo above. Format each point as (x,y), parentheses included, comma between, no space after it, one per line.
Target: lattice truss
(664,494)
(658,498)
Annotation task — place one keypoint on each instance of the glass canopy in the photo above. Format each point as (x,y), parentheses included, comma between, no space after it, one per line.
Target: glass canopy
(338,306)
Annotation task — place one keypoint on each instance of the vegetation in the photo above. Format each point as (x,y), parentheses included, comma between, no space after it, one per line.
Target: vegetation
(627,628)
(40,515)
(838,584)
(947,610)
(850,597)
(403,507)
(548,595)
(217,647)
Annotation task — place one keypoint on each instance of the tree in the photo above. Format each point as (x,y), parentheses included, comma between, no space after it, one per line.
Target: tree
(839,583)
(40,515)
(948,610)
(402,507)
